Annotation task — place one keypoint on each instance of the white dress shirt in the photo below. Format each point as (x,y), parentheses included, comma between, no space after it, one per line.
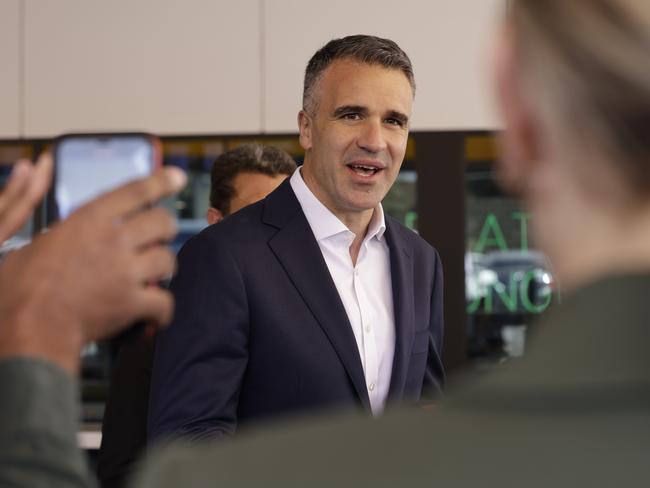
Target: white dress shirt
(365,289)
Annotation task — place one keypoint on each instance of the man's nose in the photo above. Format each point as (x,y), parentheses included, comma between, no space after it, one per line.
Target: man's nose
(371,137)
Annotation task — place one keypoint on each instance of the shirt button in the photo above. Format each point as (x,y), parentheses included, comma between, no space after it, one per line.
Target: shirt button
(371,386)
(367,329)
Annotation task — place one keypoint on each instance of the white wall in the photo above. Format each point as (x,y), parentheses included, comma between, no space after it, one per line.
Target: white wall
(223,66)
(168,66)
(447,41)
(9,69)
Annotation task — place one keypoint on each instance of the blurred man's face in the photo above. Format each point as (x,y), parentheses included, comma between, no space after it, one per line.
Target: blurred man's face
(252,187)
(356,138)
(249,188)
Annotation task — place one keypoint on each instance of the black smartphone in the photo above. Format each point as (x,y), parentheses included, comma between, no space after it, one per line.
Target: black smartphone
(87,165)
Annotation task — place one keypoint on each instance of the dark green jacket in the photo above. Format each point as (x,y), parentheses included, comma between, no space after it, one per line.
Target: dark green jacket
(574,413)
(39,419)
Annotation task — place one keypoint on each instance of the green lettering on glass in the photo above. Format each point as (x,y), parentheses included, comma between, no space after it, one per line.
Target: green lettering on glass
(523,217)
(509,296)
(488,303)
(473,306)
(509,299)
(491,235)
(525,299)
(410,218)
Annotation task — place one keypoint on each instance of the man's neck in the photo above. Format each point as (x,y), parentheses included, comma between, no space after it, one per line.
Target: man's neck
(355,247)
(357,221)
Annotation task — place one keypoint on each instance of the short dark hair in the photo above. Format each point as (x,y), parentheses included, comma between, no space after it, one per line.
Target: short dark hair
(247,158)
(363,48)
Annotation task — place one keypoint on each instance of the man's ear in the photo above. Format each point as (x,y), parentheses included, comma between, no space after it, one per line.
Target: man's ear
(520,151)
(304,126)
(213,215)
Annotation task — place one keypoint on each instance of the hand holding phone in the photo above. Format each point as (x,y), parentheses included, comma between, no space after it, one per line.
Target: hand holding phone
(88,165)
(86,278)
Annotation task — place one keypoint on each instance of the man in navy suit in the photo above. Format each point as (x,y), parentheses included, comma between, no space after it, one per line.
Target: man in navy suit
(311,298)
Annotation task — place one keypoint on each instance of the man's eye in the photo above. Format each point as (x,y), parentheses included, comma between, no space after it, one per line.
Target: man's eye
(351,116)
(393,121)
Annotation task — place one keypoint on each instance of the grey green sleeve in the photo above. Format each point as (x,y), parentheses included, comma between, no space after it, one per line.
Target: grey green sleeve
(39,418)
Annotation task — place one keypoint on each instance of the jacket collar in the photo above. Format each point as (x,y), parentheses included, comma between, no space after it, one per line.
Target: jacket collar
(296,248)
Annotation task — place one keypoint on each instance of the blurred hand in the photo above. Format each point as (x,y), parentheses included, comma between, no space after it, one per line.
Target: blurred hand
(24,190)
(89,276)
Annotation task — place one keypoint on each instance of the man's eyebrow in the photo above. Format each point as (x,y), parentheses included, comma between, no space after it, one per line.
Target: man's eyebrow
(394,114)
(346,109)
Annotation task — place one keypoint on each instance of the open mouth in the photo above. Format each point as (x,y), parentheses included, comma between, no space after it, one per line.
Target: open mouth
(364,170)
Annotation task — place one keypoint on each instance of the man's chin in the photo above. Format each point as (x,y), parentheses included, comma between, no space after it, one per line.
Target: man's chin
(363,203)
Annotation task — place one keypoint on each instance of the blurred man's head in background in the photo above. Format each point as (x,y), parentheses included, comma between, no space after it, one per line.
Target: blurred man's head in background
(245,175)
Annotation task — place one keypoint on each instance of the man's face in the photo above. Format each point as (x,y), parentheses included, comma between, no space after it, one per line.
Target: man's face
(356,137)
(252,187)
(249,188)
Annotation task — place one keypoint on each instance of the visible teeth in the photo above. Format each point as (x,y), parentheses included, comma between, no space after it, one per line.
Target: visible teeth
(364,169)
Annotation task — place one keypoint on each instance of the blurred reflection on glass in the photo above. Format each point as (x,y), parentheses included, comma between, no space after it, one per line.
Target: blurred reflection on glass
(507,281)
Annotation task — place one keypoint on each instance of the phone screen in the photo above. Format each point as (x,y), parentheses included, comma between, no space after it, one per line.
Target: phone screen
(87,166)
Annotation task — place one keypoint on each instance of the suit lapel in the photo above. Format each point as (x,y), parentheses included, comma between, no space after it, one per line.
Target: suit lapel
(296,249)
(401,268)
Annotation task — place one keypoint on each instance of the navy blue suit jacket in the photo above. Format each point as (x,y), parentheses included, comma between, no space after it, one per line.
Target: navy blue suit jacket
(260,330)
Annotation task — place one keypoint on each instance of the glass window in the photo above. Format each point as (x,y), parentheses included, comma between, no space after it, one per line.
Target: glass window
(507,281)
